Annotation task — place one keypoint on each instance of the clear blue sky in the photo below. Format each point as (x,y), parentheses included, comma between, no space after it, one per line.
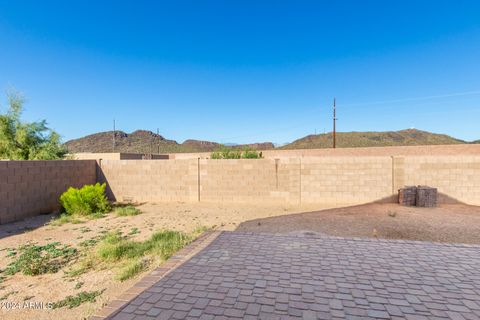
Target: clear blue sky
(244,71)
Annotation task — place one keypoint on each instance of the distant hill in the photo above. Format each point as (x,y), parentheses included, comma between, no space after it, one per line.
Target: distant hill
(143,141)
(409,137)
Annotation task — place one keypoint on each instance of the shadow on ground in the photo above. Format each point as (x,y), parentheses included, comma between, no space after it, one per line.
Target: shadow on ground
(22,226)
(451,223)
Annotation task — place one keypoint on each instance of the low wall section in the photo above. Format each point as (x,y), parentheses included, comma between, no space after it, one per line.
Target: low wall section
(29,188)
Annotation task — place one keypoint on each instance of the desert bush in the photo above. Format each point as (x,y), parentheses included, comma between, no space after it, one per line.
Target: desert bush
(251,154)
(88,200)
(236,154)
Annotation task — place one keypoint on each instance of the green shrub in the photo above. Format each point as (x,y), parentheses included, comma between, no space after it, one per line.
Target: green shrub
(88,200)
(251,154)
(227,153)
(216,155)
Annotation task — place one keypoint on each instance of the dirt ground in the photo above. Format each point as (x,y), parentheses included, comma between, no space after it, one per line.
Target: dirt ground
(454,223)
(53,287)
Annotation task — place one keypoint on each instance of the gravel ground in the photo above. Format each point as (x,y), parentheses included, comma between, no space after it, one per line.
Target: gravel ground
(447,223)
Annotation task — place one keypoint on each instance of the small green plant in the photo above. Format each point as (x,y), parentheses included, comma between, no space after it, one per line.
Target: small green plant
(133,268)
(133,231)
(127,211)
(85,229)
(116,248)
(86,201)
(88,243)
(65,218)
(34,260)
(8,294)
(78,285)
(78,299)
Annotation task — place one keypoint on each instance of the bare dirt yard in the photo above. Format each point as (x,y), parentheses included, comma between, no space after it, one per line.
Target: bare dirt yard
(453,223)
(26,296)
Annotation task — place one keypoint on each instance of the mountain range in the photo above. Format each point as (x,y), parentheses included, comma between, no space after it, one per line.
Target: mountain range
(143,141)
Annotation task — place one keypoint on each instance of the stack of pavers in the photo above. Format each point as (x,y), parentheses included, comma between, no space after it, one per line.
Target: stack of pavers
(426,196)
(407,196)
(420,196)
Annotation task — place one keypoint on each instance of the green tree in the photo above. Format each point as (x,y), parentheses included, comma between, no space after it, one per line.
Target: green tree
(26,140)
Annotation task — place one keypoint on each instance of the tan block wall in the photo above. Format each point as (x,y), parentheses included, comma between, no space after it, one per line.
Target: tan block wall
(29,188)
(456,177)
(333,180)
(325,180)
(150,180)
(346,181)
(250,180)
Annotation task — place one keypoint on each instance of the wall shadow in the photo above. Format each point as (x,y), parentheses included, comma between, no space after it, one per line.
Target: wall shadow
(25,225)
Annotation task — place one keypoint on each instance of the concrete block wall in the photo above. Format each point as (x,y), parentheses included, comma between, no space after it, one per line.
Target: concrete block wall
(346,180)
(250,180)
(150,180)
(456,177)
(325,180)
(333,180)
(29,188)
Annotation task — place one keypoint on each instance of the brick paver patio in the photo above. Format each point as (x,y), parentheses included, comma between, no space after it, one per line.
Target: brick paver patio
(266,276)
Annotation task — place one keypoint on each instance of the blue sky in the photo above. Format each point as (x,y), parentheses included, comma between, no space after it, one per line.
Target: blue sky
(244,71)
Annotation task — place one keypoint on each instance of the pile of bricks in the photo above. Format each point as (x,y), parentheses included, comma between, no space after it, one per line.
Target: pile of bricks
(426,197)
(420,196)
(407,196)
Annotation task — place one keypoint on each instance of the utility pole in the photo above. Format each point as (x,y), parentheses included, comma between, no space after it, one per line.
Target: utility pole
(334,123)
(113,140)
(158,142)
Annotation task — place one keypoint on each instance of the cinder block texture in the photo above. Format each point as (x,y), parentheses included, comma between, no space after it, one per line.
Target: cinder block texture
(32,187)
(250,180)
(150,180)
(457,178)
(29,188)
(345,181)
(325,180)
